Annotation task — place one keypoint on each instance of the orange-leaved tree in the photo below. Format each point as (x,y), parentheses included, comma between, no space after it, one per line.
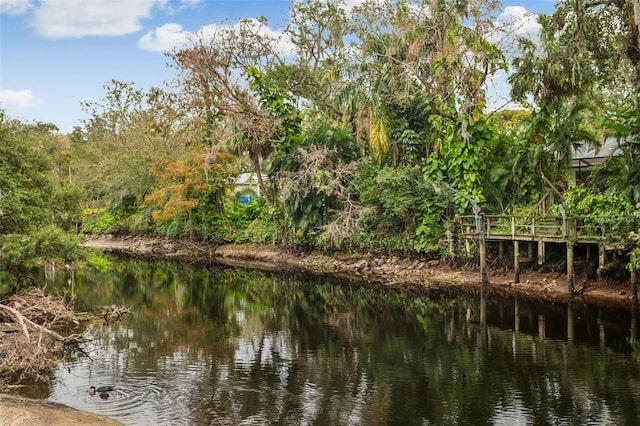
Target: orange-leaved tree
(184,182)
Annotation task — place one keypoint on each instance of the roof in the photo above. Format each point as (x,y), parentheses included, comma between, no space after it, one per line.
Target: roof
(249,179)
(585,155)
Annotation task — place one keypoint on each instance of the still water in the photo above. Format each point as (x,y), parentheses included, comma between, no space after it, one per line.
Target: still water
(239,347)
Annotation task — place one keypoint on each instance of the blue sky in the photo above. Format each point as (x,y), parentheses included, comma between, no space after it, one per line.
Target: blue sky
(54,54)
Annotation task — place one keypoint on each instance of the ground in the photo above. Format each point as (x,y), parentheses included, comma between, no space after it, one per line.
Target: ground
(19,411)
(405,273)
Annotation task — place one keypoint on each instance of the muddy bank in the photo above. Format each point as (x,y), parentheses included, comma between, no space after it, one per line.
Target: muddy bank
(19,411)
(389,270)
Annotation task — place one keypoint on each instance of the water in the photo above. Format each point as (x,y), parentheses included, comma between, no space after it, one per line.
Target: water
(237,347)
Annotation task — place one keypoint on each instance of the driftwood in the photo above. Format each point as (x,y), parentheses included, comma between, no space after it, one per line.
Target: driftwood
(35,331)
(20,319)
(113,313)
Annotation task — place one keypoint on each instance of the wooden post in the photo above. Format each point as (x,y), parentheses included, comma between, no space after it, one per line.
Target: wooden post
(483,261)
(602,259)
(467,246)
(501,249)
(540,252)
(570,270)
(450,243)
(516,261)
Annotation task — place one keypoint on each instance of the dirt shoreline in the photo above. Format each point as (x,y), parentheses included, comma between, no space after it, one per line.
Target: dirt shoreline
(19,411)
(390,270)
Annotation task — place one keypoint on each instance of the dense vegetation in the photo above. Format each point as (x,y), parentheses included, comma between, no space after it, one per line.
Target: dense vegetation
(352,131)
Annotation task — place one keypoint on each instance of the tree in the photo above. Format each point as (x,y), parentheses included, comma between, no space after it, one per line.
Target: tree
(128,134)
(317,186)
(314,76)
(212,73)
(30,211)
(183,183)
(432,57)
(25,183)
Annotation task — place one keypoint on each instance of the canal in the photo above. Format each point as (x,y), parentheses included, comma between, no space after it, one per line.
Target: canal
(226,346)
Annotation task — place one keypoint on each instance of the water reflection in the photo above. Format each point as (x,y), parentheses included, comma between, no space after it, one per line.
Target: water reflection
(234,347)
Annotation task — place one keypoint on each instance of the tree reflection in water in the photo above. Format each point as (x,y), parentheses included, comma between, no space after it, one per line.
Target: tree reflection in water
(231,346)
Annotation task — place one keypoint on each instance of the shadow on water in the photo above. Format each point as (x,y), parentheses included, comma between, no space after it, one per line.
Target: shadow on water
(231,346)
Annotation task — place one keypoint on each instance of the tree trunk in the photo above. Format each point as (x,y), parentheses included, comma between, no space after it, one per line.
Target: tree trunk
(263,190)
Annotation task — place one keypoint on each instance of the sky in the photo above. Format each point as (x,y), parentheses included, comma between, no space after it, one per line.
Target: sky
(55,54)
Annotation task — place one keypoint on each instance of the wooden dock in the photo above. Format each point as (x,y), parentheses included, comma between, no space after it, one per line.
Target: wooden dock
(603,232)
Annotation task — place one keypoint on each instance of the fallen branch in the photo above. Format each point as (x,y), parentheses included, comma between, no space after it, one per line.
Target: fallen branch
(33,335)
(20,319)
(114,313)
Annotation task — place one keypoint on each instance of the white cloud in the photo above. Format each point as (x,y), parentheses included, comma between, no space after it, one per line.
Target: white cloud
(80,18)
(15,7)
(170,36)
(513,23)
(18,98)
(164,38)
(521,21)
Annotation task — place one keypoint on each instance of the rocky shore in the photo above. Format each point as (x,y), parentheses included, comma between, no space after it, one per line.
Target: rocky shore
(389,270)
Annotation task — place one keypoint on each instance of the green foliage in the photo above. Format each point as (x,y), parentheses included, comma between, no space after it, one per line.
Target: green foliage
(602,213)
(266,228)
(583,202)
(49,243)
(405,210)
(67,206)
(415,90)
(238,223)
(35,211)
(25,184)
(319,179)
(179,226)
(462,159)
(102,221)
(620,173)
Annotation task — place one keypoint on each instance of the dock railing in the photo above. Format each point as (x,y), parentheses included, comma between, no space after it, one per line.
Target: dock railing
(592,229)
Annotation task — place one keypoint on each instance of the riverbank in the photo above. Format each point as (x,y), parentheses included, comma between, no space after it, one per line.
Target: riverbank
(18,411)
(405,273)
